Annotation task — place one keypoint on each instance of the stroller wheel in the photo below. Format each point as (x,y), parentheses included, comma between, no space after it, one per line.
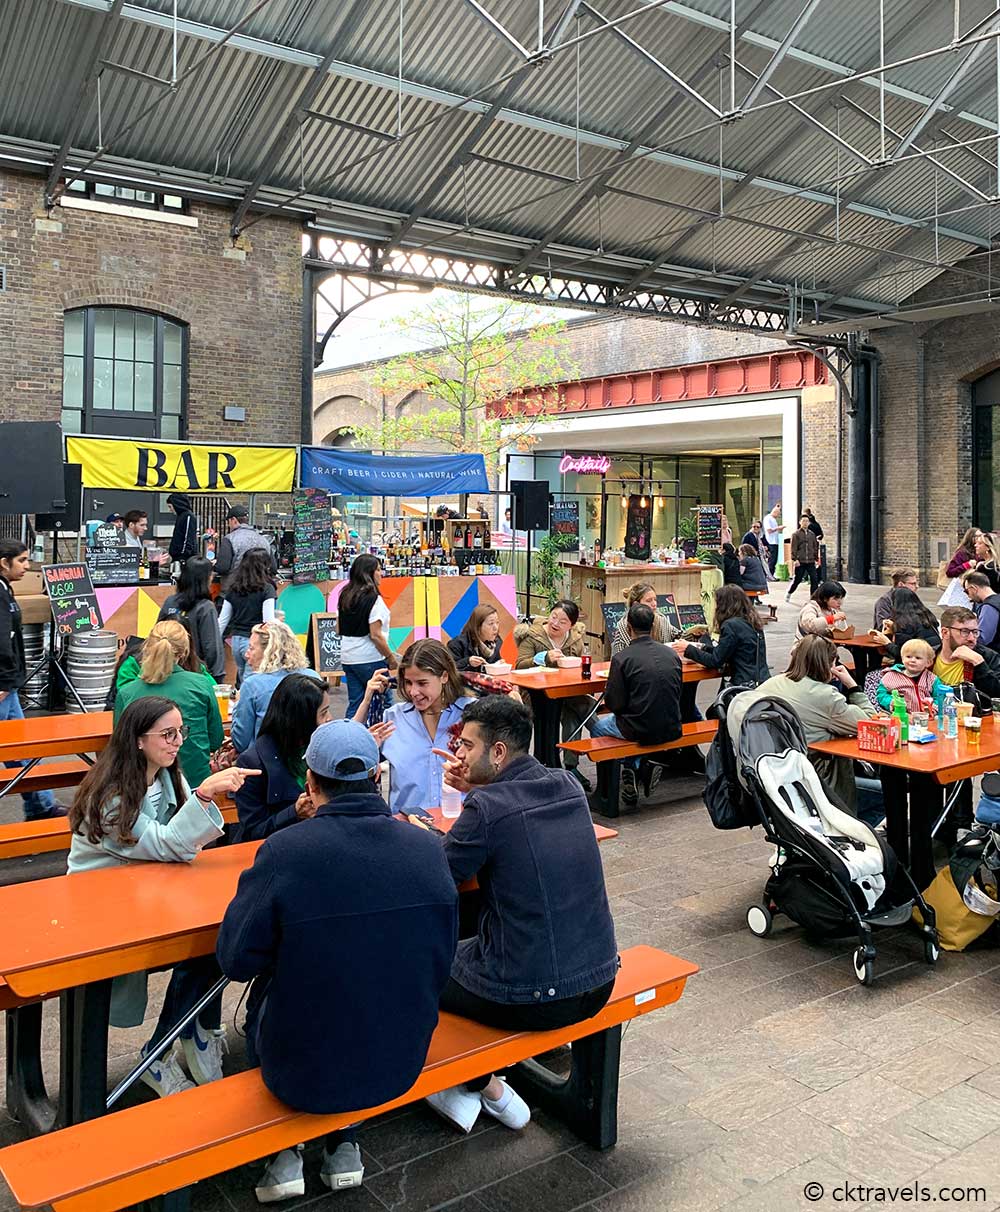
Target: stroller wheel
(759,920)
(931,951)
(864,967)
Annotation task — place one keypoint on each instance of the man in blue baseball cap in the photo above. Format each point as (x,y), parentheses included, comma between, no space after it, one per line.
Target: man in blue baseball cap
(347,920)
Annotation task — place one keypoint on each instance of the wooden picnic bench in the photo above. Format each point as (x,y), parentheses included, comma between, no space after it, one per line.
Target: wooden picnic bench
(162,1148)
(608,753)
(754,595)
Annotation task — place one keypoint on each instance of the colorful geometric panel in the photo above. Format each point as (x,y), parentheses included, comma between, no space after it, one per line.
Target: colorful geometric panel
(333,596)
(392,588)
(300,603)
(433,617)
(400,638)
(147,612)
(458,615)
(112,600)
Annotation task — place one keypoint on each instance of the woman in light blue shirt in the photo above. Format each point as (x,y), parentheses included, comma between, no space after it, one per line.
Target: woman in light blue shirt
(272,654)
(434,701)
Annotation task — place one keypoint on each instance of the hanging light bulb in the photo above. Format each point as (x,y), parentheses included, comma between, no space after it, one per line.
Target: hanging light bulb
(624,501)
(642,501)
(661,502)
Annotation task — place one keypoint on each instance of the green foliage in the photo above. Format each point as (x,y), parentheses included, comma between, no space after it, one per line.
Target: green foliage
(472,358)
(547,570)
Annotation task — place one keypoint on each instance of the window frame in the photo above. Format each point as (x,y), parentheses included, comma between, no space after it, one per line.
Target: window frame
(88,412)
(85,188)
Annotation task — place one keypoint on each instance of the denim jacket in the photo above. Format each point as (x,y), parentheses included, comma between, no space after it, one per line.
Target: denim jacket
(545,929)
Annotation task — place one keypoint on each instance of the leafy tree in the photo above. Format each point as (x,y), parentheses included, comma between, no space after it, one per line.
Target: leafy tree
(472,357)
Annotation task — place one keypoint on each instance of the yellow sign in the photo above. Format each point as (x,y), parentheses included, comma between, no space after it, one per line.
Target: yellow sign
(180,467)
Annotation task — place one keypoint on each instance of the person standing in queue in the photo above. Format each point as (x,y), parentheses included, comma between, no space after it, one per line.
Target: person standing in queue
(14,561)
(363,623)
(193,601)
(184,540)
(242,537)
(135,806)
(355,915)
(248,600)
(772,535)
(544,955)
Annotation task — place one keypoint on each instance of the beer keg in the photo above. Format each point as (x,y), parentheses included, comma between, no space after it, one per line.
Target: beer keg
(90,665)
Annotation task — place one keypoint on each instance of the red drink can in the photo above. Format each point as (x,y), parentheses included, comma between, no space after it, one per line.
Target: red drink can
(585,665)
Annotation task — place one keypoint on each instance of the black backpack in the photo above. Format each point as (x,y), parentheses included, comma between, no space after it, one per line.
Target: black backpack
(728,804)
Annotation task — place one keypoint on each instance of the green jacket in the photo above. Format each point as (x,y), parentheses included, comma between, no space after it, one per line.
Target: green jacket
(197,704)
(131,668)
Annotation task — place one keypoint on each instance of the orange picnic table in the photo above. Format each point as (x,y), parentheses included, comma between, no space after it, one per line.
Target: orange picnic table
(913,778)
(69,936)
(547,686)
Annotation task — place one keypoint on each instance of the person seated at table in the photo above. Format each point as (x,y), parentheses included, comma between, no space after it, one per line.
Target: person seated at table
(825,711)
(804,554)
(753,573)
(162,673)
(543,643)
(986,604)
(136,806)
(741,651)
(479,642)
(909,619)
(129,666)
(193,602)
(913,677)
(730,565)
(273,653)
(298,706)
(347,926)
(823,609)
(644,593)
(249,599)
(433,701)
(544,955)
(754,538)
(643,694)
(902,578)
(962,657)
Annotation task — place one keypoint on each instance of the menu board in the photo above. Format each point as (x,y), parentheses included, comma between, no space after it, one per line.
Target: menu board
(109,535)
(709,526)
(665,606)
(325,644)
(113,565)
(564,524)
(691,616)
(72,598)
(313,535)
(638,527)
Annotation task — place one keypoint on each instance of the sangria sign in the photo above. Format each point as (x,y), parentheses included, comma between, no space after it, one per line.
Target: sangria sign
(585,465)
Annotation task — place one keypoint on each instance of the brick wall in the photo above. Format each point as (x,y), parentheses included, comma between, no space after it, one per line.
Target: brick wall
(243,306)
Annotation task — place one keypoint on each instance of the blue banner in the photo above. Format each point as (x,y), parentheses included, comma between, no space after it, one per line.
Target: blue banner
(345,471)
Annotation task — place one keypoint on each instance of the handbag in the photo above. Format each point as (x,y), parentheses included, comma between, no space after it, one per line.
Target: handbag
(955,595)
(966,692)
(942,575)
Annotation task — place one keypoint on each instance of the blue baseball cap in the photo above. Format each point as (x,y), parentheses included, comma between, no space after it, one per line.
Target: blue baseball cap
(336,742)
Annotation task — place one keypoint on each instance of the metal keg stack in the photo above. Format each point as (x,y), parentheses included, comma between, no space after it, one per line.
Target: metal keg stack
(90,665)
(36,645)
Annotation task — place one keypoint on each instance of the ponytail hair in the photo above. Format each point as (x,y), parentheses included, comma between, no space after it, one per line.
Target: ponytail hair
(166,645)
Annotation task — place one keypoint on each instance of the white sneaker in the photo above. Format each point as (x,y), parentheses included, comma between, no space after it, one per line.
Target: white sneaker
(342,1168)
(458,1105)
(203,1053)
(282,1178)
(510,1108)
(165,1075)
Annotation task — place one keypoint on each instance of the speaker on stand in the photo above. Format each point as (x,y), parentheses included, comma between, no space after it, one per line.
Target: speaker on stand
(531,500)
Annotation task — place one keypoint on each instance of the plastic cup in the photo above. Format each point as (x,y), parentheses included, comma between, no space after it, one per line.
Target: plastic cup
(920,719)
(973,729)
(222,697)
(964,712)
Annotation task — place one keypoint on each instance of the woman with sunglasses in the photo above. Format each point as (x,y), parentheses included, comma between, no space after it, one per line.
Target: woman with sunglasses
(135,805)
(162,673)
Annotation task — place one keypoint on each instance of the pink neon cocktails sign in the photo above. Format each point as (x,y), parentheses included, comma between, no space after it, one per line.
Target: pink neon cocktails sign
(586,464)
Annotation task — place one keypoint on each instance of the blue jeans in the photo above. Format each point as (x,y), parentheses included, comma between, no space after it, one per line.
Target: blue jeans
(189,982)
(358,677)
(239,645)
(607,725)
(36,803)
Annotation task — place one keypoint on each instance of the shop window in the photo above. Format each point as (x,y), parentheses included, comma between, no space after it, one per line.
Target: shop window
(124,373)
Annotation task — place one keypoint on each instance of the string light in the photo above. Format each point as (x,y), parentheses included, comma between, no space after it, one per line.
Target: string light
(642,501)
(624,501)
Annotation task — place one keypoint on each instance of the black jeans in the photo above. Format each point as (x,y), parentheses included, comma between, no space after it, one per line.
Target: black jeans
(772,555)
(803,571)
(521,1016)
(189,982)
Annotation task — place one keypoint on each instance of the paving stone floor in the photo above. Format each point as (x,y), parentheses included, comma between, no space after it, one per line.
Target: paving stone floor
(774,1071)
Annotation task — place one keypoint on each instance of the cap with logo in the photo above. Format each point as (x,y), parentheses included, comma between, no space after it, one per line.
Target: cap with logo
(239,512)
(335,743)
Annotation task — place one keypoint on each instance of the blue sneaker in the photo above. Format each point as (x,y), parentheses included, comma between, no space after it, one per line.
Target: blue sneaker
(166,1076)
(203,1053)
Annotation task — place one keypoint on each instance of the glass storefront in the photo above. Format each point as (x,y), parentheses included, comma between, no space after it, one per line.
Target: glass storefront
(986,451)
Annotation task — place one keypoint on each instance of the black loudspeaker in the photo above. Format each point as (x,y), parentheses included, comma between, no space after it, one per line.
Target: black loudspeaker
(31,477)
(68,518)
(531,504)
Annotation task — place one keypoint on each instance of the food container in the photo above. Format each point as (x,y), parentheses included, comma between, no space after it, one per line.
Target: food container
(880,734)
(495,668)
(569,662)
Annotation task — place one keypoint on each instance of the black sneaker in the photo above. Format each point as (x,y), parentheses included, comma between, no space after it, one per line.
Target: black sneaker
(580,778)
(630,786)
(650,777)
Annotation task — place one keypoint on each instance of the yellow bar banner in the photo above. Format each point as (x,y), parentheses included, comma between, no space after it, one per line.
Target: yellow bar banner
(181,466)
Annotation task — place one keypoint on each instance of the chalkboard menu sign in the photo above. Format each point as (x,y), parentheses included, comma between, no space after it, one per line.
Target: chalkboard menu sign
(691,616)
(313,534)
(709,526)
(665,606)
(564,524)
(72,598)
(114,565)
(109,535)
(325,644)
(638,527)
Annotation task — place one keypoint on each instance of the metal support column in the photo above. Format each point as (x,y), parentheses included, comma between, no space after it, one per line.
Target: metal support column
(310,282)
(859,473)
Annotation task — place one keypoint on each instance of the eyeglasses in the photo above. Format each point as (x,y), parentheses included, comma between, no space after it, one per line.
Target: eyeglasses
(965,630)
(171,735)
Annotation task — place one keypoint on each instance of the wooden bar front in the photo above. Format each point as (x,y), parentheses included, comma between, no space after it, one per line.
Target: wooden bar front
(682,580)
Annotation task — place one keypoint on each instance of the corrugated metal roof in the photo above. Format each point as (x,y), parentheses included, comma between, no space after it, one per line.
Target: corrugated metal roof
(546,182)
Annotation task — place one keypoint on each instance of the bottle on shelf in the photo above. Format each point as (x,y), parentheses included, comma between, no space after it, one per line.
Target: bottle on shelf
(144,565)
(477,539)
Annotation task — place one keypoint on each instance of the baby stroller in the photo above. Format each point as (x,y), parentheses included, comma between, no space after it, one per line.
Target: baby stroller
(832,873)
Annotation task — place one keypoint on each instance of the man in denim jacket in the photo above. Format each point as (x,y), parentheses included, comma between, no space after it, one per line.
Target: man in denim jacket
(544,955)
